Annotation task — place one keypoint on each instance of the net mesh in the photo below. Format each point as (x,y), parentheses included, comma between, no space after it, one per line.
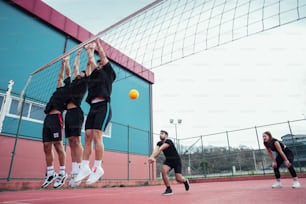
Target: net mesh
(169,30)
(44,83)
(173,29)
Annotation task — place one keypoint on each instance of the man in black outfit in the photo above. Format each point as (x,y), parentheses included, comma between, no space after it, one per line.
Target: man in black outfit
(173,161)
(99,95)
(52,131)
(75,116)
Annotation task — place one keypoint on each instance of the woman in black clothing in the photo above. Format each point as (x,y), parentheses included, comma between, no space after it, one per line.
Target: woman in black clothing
(283,155)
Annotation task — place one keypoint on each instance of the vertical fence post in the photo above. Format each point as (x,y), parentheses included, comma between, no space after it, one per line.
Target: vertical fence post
(128,152)
(229,152)
(203,158)
(149,150)
(294,145)
(16,139)
(261,154)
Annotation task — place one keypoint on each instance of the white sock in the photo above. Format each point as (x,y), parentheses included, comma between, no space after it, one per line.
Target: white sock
(98,163)
(75,167)
(85,163)
(62,170)
(50,170)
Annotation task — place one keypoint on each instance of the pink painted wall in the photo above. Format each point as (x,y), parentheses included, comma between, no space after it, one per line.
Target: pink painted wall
(29,161)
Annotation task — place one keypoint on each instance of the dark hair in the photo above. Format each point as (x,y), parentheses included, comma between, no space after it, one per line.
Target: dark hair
(268,133)
(67,81)
(270,137)
(164,131)
(84,72)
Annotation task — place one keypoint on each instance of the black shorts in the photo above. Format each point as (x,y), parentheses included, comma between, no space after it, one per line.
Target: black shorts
(53,128)
(73,122)
(99,116)
(176,165)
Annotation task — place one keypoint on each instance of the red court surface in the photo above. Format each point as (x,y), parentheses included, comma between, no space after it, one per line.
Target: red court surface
(234,192)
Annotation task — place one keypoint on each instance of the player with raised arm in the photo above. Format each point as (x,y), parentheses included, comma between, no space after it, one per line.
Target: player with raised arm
(75,116)
(99,96)
(52,130)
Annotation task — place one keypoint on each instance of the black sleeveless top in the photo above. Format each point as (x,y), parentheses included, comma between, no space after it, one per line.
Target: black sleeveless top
(271,145)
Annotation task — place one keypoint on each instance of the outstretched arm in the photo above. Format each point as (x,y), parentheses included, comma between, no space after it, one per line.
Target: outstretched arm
(61,75)
(64,68)
(67,66)
(101,52)
(270,155)
(88,68)
(91,63)
(76,64)
(282,154)
(157,151)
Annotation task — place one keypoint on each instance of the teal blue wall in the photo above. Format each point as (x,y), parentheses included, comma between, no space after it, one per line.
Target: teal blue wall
(28,43)
(27,129)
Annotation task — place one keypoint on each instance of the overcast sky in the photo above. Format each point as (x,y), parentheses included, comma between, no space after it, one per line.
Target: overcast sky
(253,81)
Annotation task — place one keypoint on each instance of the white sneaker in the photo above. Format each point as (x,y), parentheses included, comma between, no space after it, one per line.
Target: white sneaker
(296,184)
(60,180)
(83,173)
(96,173)
(277,184)
(72,182)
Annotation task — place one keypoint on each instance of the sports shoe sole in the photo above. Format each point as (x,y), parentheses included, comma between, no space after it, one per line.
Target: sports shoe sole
(62,183)
(47,184)
(88,182)
(80,178)
(167,194)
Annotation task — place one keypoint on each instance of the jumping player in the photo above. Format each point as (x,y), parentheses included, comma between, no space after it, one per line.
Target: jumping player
(284,155)
(99,95)
(173,161)
(74,117)
(52,131)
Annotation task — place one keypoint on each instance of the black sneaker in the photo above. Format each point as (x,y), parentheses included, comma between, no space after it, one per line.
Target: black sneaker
(48,179)
(60,180)
(186,183)
(168,192)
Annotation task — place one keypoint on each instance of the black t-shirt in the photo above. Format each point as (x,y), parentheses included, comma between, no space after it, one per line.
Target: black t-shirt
(170,153)
(57,100)
(271,145)
(77,90)
(100,83)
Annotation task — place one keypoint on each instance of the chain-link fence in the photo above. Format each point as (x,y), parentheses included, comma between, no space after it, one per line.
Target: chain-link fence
(239,152)
(126,147)
(228,153)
